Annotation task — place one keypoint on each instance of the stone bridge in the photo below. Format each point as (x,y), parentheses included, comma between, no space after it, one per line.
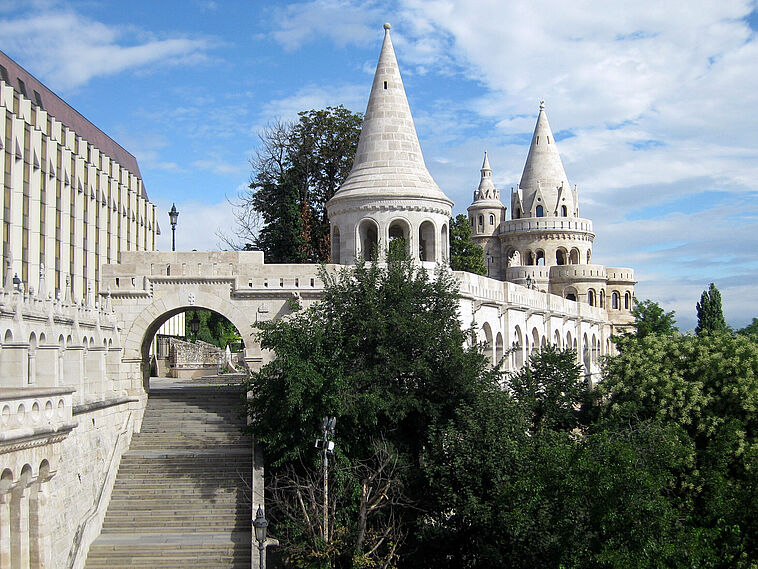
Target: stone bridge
(148,288)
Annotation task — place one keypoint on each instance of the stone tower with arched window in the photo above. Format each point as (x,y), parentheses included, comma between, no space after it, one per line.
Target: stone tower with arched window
(389,194)
(546,245)
(485,215)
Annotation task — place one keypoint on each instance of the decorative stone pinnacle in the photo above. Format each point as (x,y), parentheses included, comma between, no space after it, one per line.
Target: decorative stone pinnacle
(387,26)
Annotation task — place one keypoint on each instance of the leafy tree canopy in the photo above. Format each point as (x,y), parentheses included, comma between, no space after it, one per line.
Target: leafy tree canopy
(297,169)
(710,316)
(384,352)
(650,318)
(465,254)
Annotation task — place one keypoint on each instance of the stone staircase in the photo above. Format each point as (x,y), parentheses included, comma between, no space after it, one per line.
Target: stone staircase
(181,497)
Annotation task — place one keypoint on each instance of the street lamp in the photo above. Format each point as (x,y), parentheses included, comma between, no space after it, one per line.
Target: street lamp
(194,324)
(327,447)
(173,215)
(260,523)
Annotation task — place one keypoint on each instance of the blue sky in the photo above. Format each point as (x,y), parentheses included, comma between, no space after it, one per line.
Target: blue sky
(654,105)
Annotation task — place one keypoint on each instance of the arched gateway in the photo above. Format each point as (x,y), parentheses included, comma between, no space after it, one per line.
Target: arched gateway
(148,288)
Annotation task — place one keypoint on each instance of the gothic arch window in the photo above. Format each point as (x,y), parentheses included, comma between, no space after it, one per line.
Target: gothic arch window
(488,344)
(518,349)
(564,211)
(540,211)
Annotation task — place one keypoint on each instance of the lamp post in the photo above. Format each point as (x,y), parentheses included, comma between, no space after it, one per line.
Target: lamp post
(327,447)
(194,324)
(173,215)
(260,523)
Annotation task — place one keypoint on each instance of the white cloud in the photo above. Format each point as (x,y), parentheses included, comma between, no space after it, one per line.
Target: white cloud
(69,49)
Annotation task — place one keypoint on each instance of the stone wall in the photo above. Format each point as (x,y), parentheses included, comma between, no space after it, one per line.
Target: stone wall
(64,424)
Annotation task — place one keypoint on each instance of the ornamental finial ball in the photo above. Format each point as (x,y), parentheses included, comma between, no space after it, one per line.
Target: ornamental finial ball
(387,26)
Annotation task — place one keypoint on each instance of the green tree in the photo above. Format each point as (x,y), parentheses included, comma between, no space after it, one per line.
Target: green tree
(465,254)
(549,389)
(297,169)
(708,387)
(384,352)
(710,317)
(751,330)
(650,318)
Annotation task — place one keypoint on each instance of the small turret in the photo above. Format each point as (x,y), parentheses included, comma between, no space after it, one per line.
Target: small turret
(485,214)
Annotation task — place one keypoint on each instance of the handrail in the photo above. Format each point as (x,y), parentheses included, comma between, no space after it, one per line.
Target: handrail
(74,557)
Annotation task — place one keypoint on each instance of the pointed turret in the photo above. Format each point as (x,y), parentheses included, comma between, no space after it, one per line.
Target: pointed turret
(389,194)
(388,160)
(485,214)
(544,175)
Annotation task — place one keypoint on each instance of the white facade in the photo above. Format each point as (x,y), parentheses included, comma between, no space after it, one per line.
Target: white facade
(72,197)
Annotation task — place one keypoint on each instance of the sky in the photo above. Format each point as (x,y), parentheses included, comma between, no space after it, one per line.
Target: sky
(654,105)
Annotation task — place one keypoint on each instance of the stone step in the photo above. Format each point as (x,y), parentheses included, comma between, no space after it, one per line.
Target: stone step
(180,497)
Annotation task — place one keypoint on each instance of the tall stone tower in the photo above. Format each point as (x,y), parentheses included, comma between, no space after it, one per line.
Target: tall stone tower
(389,194)
(545,230)
(485,214)
(546,245)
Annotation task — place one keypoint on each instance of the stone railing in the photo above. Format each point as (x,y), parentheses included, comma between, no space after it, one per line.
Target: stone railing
(546,224)
(31,416)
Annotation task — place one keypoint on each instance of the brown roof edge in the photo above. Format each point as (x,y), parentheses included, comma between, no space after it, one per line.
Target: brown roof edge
(70,117)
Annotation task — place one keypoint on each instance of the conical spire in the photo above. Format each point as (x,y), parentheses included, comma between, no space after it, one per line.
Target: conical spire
(486,190)
(388,161)
(543,164)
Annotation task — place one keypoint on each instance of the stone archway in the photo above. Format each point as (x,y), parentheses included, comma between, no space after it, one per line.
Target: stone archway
(138,336)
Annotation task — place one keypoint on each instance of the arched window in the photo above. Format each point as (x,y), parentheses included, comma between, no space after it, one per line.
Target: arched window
(591,297)
(369,238)
(602,298)
(541,258)
(481,220)
(589,256)
(560,257)
(564,211)
(426,245)
(627,300)
(574,257)
(540,211)
(615,300)
(492,219)
(336,245)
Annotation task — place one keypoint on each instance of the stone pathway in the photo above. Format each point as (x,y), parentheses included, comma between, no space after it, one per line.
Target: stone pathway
(182,497)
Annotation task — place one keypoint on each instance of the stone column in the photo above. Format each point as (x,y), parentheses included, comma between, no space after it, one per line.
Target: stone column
(20,526)
(40,539)
(5,529)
